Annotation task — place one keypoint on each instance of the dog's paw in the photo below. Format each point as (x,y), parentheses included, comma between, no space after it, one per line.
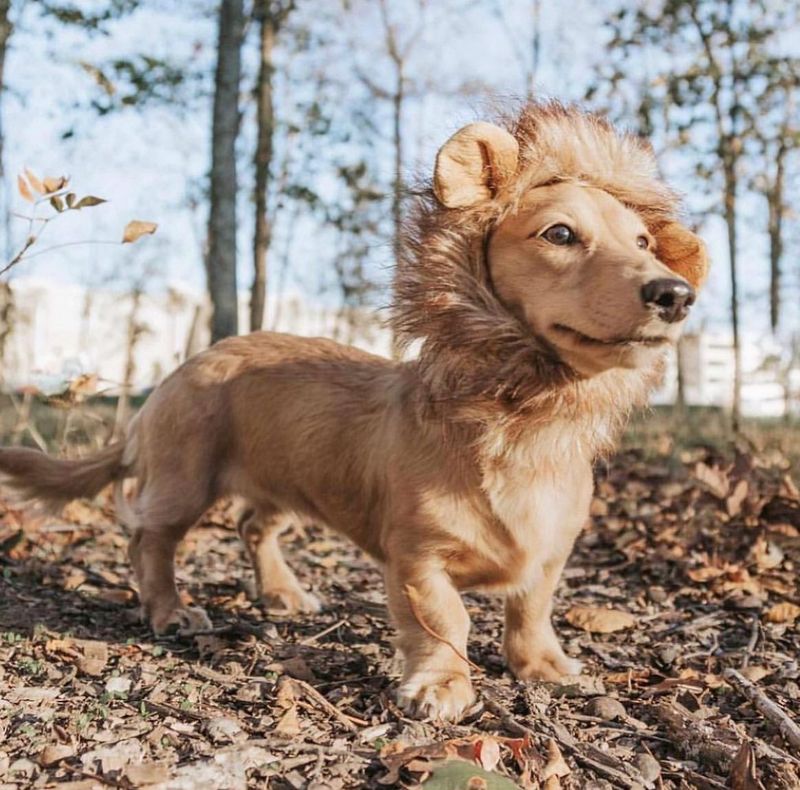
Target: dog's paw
(549,665)
(443,696)
(290,601)
(183,620)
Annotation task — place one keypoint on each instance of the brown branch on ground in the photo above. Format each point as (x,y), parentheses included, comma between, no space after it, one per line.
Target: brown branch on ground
(786,726)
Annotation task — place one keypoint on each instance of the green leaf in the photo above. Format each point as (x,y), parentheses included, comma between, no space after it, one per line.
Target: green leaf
(461,775)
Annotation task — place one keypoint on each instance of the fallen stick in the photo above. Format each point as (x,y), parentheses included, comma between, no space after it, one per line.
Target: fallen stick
(585,754)
(698,739)
(349,722)
(786,726)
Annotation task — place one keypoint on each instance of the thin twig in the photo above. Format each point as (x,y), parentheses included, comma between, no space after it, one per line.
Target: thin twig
(411,596)
(19,256)
(348,721)
(29,242)
(755,631)
(314,637)
(786,726)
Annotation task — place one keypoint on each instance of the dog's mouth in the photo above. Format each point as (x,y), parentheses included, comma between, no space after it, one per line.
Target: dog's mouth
(634,341)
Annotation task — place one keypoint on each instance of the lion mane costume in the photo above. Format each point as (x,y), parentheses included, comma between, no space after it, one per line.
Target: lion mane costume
(471,347)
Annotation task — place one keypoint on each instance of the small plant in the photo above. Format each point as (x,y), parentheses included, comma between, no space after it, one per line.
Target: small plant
(54,197)
(31,666)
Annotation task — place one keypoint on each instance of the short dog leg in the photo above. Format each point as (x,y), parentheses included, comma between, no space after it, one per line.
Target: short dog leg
(423,601)
(530,642)
(276,585)
(152,554)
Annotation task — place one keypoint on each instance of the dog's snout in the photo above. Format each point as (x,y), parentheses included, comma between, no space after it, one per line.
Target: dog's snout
(670,297)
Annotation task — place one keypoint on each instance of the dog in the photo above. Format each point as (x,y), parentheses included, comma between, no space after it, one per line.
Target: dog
(543,276)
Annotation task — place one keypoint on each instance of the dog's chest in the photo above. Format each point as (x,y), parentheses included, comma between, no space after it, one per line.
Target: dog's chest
(539,489)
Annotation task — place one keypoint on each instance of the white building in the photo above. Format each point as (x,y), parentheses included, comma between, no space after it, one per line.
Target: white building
(61,331)
(770,382)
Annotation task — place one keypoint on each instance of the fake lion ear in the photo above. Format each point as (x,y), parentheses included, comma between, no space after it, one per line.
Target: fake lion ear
(474,164)
(683,252)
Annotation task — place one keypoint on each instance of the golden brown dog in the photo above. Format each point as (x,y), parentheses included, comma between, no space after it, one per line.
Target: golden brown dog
(543,278)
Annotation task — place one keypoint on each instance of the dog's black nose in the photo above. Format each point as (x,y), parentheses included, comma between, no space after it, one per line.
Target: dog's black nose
(671,298)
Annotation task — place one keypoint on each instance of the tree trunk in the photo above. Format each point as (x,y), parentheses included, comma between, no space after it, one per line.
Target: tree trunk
(122,417)
(730,222)
(397,139)
(221,262)
(680,394)
(265,118)
(5,33)
(536,40)
(775,230)
(398,99)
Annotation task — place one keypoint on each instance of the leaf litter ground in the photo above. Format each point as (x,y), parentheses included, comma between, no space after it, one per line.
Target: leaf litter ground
(681,597)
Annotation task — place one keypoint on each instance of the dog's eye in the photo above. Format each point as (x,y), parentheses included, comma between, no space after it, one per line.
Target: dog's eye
(560,235)
(642,242)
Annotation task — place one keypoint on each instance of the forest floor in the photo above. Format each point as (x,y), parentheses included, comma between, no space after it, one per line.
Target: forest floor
(681,597)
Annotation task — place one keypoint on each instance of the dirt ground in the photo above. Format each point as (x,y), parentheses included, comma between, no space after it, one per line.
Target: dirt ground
(681,597)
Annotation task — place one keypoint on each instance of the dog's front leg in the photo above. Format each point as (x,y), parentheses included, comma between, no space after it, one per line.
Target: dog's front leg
(530,643)
(432,626)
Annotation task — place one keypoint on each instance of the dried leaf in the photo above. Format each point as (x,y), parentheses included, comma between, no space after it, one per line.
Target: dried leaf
(34,181)
(94,658)
(70,199)
(89,200)
(57,203)
(137,228)
(733,504)
(24,189)
(99,77)
(714,479)
(756,673)
(51,185)
(767,554)
(487,753)
(289,723)
(785,612)
(599,621)
(744,774)
(54,753)
(706,574)
(85,384)
(556,767)
(63,647)
(140,774)
(630,677)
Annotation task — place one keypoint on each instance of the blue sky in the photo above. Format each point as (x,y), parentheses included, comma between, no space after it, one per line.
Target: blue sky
(150,163)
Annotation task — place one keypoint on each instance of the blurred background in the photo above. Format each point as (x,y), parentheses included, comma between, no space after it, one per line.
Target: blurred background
(276,144)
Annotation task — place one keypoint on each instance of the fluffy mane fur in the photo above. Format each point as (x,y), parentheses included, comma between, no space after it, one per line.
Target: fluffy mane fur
(479,361)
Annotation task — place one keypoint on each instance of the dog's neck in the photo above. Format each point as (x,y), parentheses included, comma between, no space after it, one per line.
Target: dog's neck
(523,404)
(481,369)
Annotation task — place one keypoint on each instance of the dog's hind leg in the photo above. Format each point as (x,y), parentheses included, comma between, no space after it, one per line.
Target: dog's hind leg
(276,585)
(161,521)
(152,554)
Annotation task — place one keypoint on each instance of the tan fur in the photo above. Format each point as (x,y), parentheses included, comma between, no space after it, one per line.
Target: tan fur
(469,467)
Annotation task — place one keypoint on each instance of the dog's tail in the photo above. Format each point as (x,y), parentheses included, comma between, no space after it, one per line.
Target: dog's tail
(53,481)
